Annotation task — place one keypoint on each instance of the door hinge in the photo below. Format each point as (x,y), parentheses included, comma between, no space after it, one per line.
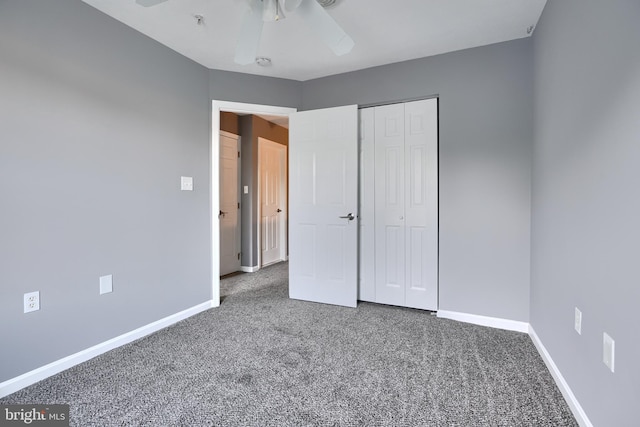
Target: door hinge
(238,154)
(238,205)
(238,255)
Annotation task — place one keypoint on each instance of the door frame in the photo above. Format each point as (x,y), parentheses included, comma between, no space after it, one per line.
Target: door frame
(214,177)
(284,196)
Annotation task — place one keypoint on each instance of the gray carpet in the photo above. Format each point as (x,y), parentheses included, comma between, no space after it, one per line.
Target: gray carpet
(261,359)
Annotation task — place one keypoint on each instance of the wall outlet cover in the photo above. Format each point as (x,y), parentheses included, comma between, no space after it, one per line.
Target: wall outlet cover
(106,284)
(31,301)
(186,183)
(608,351)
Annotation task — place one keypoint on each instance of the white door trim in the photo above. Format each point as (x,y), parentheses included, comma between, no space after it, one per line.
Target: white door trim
(283,196)
(214,179)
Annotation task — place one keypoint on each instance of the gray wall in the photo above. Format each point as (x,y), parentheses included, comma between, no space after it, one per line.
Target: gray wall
(486,132)
(586,209)
(98,123)
(251,89)
(249,227)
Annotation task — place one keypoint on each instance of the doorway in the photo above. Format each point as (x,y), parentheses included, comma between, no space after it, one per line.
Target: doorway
(238,108)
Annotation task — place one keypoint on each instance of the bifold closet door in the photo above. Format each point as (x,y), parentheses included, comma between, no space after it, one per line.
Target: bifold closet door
(389,204)
(421,204)
(406,204)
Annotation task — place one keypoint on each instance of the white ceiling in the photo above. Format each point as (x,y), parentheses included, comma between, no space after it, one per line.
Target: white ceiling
(384,31)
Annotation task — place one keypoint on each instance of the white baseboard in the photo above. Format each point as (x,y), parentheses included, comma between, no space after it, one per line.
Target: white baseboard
(574,405)
(493,322)
(32,377)
(249,269)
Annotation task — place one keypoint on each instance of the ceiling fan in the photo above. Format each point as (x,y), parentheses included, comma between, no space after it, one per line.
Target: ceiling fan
(261,11)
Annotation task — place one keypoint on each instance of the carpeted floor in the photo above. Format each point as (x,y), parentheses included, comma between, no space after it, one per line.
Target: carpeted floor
(261,359)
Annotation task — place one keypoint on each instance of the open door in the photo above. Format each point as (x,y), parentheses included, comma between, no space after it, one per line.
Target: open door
(323,198)
(229,206)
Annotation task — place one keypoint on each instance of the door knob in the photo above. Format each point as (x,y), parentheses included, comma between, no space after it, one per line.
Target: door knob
(349,216)
(279,210)
(221,214)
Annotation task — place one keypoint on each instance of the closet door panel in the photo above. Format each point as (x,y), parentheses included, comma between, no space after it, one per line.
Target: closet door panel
(422,204)
(389,204)
(366,230)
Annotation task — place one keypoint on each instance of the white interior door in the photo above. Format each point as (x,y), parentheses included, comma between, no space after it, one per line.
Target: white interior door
(272,161)
(323,195)
(229,207)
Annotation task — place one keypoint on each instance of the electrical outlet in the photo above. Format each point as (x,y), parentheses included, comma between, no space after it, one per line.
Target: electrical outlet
(608,351)
(578,321)
(31,301)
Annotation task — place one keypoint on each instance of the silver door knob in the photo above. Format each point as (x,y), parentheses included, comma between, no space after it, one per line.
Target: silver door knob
(349,216)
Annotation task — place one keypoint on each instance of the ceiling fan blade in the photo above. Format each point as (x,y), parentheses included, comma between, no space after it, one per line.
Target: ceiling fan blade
(325,27)
(149,3)
(250,32)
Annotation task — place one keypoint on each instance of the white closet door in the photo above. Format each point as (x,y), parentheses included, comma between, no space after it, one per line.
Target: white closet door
(366,231)
(323,241)
(421,204)
(389,204)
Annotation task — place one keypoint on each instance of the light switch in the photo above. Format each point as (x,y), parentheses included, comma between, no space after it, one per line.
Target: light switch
(186,183)
(246,189)
(106,284)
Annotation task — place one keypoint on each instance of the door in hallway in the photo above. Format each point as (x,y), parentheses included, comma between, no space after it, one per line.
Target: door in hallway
(229,206)
(272,160)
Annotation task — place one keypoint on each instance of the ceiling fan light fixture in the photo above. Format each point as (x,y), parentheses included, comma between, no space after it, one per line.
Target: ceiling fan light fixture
(326,3)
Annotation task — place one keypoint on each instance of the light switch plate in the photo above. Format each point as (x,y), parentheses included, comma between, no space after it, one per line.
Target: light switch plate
(246,189)
(186,183)
(106,284)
